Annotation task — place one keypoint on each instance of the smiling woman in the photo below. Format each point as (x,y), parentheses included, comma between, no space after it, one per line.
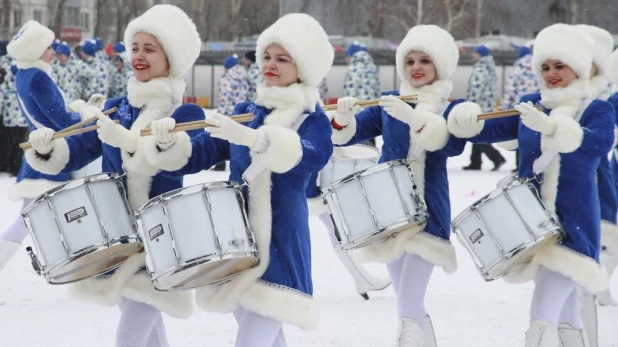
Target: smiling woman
(148,58)
(279,68)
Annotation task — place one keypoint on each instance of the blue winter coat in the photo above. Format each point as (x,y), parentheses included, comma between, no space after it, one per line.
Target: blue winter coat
(608,179)
(577,200)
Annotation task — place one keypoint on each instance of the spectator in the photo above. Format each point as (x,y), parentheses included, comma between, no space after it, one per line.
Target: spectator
(254,75)
(96,80)
(232,86)
(15,127)
(361,80)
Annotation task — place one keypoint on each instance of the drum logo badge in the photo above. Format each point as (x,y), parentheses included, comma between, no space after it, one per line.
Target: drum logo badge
(76,214)
(476,236)
(155,232)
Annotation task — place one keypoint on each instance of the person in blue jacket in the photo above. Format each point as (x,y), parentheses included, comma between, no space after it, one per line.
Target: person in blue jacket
(560,149)
(287,141)
(160,56)
(42,105)
(416,132)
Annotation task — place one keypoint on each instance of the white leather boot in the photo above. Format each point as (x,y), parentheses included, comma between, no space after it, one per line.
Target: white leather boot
(609,262)
(7,251)
(430,336)
(409,333)
(589,317)
(542,334)
(570,337)
(363,279)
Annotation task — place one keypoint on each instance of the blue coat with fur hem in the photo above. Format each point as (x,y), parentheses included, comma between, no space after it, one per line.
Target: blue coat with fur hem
(374,121)
(43,105)
(607,175)
(577,199)
(290,246)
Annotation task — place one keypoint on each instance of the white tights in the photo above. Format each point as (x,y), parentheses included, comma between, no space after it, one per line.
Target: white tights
(17,232)
(140,325)
(258,331)
(555,300)
(410,276)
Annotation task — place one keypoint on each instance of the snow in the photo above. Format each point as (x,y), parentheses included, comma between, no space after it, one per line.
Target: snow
(466,310)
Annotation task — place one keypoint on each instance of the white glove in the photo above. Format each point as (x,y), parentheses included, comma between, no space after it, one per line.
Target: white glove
(116,135)
(77,105)
(466,118)
(398,109)
(345,110)
(227,129)
(97,100)
(535,119)
(41,140)
(161,131)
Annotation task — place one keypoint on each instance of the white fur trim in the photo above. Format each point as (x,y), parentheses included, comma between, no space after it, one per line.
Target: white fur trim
(582,269)
(564,43)
(284,149)
(343,136)
(600,87)
(58,158)
(602,47)
(431,97)
(157,93)
(36,64)
(508,145)
(172,158)
(316,206)
(306,42)
(76,105)
(30,42)
(297,97)
(609,237)
(458,131)
(31,188)
(294,308)
(434,134)
(174,30)
(434,41)
(568,136)
(569,99)
(176,304)
(433,249)
(612,68)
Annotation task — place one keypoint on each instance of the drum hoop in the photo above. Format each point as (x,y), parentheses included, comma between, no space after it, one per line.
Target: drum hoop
(378,153)
(360,242)
(376,168)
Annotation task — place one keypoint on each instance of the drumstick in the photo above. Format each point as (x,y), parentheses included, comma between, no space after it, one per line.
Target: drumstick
(500,114)
(26,145)
(86,121)
(371,102)
(199,124)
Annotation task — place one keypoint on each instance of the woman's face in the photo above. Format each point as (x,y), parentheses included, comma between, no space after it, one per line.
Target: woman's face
(148,58)
(278,67)
(48,55)
(420,69)
(557,74)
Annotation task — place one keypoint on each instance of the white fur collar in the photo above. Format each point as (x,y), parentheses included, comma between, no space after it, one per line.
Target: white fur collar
(567,100)
(37,64)
(600,87)
(431,97)
(288,103)
(158,98)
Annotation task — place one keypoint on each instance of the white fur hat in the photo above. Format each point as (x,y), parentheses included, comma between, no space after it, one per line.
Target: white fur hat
(30,42)
(431,40)
(174,30)
(612,67)
(564,43)
(305,41)
(602,47)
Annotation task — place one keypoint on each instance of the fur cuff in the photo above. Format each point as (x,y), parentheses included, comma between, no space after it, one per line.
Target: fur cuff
(389,250)
(58,159)
(176,304)
(343,136)
(282,304)
(584,270)
(284,150)
(31,188)
(568,135)
(433,135)
(172,158)
(433,249)
(467,132)
(508,145)
(77,105)
(609,237)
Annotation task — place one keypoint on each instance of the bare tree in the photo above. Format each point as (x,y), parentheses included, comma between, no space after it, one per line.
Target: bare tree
(6,17)
(100,23)
(58,13)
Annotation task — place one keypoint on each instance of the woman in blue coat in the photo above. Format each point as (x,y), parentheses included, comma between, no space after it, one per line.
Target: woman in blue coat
(425,61)
(561,147)
(42,105)
(160,56)
(286,142)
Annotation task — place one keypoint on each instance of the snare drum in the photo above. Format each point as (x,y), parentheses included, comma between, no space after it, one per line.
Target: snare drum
(346,161)
(506,227)
(81,229)
(196,236)
(375,204)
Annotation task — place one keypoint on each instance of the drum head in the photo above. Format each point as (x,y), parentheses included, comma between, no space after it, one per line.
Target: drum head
(93,263)
(204,273)
(355,152)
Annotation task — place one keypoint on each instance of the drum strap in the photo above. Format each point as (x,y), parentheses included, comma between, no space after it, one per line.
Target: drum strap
(28,115)
(255,169)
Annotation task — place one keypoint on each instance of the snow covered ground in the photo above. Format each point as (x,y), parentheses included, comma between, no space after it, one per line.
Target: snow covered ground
(466,310)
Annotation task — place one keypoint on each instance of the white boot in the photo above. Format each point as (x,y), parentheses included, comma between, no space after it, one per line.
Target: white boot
(570,337)
(589,317)
(363,279)
(409,333)
(430,336)
(7,251)
(609,262)
(542,334)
